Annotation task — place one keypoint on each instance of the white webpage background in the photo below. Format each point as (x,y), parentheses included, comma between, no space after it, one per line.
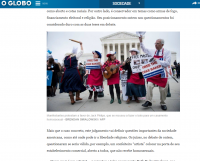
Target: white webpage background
(23,91)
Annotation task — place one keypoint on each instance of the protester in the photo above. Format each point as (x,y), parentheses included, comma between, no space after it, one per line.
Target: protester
(135,83)
(48,88)
(178,70)
(175,63)
(71,80)
(159,80)
(95,79)
(81,70)
(114,79)
(173,69)
(59,74)
(84,75)
(174,72)
(55,69)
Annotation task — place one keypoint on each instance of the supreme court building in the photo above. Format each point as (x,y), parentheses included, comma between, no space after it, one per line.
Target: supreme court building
(121,43)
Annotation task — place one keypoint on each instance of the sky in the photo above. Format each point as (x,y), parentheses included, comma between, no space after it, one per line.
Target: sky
(59,43)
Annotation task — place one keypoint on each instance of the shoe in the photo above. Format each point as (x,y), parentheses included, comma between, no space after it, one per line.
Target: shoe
(119,101)
(95,96)
(72,99)
(128,100)
(90,96)
(111,101)
(147,104)
(78,96)
(136,99)
(163,107)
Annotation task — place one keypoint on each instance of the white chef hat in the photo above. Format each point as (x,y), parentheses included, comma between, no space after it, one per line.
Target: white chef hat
(73,51)
(134,49)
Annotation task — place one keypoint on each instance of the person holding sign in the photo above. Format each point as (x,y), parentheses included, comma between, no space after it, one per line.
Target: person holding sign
(135,82)
(95,77)
(114,79)
(71,80)
(161,80)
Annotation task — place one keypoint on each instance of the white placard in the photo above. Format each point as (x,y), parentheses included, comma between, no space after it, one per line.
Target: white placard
(93,63)
(137,61)
(152,69)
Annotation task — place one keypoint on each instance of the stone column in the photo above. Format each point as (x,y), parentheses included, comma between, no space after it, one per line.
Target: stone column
(108,48)
(114,47)
(136,46)
(119,52)
(130,46)
(125,52)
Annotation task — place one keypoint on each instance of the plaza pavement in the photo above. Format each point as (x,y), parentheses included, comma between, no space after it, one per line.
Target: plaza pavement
(61,102)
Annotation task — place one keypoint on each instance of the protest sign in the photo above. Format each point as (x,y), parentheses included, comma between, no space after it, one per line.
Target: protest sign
(137,61)
(56,60)
(49,77)
(124,78)
(93,63)
(152,69)
(167,72)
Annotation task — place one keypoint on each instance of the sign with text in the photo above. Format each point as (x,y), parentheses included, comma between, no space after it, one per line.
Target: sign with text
(93,63)
(152,69)
(137,61)
(124,78)
(167,72)
(49,77)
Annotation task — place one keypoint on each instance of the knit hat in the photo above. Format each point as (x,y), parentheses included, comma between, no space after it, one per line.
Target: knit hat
(98,53)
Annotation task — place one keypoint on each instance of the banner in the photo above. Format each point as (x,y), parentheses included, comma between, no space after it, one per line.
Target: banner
(137,61)
(152,69)
(49,77)
(93,63)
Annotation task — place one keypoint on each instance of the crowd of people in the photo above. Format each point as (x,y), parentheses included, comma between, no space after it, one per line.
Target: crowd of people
(176,69)
(72,74)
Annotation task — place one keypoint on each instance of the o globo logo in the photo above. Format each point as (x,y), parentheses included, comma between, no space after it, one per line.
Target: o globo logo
(16,3)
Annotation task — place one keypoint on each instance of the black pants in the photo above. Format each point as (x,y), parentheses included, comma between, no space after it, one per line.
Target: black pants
(82,75)
(117,91)
(178,74)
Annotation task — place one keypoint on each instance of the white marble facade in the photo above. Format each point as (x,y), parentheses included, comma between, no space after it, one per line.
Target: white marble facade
(121,42)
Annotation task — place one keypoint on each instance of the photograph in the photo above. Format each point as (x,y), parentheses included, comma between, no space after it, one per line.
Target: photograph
(76,83)
(144,61)
(136,62)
